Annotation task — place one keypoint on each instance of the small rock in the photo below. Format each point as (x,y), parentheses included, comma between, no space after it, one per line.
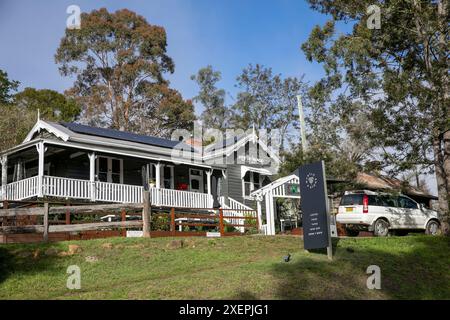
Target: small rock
(51,252)
(107,245)
(74,249)
(175,244)
(91,259)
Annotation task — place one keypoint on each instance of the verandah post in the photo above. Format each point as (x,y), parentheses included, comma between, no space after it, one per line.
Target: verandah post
(4,163)
(41,152)
(92,175)
(146,214)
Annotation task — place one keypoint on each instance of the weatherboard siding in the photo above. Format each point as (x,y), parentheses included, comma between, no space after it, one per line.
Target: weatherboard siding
(234,182)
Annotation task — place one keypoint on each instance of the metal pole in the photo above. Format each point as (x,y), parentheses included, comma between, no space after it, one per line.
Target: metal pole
(302,124)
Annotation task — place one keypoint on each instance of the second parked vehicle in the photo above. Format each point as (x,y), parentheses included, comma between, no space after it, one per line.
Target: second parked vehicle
(382,213)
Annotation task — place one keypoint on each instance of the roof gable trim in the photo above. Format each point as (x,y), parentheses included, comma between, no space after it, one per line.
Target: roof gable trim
(42,125)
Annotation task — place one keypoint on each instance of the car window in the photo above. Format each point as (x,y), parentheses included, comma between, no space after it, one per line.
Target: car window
(407,203)
(352,199)
(388,201)
(374,201)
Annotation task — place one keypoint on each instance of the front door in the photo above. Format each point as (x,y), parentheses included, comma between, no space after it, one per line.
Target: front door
(196,180)
(110,169)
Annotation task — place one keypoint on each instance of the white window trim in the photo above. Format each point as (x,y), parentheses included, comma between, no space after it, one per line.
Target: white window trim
(252,184)
(97,165)
(202,183)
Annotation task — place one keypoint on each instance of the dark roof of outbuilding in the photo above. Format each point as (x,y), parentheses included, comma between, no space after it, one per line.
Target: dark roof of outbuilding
(124,136)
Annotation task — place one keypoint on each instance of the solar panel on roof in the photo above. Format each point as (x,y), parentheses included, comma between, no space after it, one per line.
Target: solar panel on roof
(122,135)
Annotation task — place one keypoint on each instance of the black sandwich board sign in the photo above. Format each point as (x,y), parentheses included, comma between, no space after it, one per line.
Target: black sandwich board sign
(313,203)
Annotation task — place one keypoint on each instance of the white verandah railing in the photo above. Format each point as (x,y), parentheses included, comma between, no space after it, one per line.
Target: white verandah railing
(23,189)
(103,191)
(237,209)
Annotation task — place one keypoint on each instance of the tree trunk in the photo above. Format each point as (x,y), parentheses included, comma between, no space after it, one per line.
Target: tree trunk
(446,227)
(441,185)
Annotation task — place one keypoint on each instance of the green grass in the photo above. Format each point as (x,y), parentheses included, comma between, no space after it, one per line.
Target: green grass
(412,267)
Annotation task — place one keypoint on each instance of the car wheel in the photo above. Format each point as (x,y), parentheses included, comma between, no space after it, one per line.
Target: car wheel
(351,232)
(381,228)
(432,228)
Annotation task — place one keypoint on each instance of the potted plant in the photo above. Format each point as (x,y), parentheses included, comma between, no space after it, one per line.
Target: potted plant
(152,183)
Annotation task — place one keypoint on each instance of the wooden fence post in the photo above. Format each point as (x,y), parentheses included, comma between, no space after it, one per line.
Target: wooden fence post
(67,214)
(172,221)
(146,215)
(5,219)
(123,215)
(221,227)
(46,222)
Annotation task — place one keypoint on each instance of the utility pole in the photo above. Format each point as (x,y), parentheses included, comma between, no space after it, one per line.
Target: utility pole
(302,124)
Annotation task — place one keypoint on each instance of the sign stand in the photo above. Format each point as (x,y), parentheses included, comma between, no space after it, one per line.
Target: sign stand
(330,242)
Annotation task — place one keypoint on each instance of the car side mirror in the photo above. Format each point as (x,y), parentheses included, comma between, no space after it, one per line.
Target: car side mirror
(422,206)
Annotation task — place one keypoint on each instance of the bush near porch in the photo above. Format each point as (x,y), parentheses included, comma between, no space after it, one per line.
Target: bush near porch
(246,267)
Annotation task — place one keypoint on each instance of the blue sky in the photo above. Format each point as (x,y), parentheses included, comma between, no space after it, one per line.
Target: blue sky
(228,34)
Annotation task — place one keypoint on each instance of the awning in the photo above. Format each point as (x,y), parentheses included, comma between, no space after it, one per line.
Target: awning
(245,169)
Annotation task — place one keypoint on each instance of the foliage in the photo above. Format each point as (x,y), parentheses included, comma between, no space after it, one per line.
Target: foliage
(52,105)
(7,87)
(267,101)
(215,114)
(119,61)
(160,223)
(15,123)
(396,76)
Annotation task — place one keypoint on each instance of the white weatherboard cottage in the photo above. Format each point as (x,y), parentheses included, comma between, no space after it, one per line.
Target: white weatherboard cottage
(82,163)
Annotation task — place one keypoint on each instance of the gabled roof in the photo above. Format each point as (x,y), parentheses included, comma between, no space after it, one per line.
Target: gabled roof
(107,140)
(230,145)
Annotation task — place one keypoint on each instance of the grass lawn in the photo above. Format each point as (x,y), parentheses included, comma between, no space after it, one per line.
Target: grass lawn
(250,267)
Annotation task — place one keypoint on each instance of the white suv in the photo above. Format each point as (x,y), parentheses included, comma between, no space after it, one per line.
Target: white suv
(382,212)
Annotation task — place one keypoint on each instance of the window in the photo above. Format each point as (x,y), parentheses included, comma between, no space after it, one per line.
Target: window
(115,171)
(352,199)
(110,170)
(251,182)
(407,203)
(357,200)
(168,177)
(256,181)
(103,169)
(389,201)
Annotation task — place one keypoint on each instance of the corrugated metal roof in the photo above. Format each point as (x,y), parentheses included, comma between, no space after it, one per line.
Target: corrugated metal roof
(124,136)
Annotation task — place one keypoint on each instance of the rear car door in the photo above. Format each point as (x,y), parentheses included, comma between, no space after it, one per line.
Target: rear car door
(409,214)
(391,210)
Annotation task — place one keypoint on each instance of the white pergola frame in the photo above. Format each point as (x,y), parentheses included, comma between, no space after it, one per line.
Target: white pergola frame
(268,193)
